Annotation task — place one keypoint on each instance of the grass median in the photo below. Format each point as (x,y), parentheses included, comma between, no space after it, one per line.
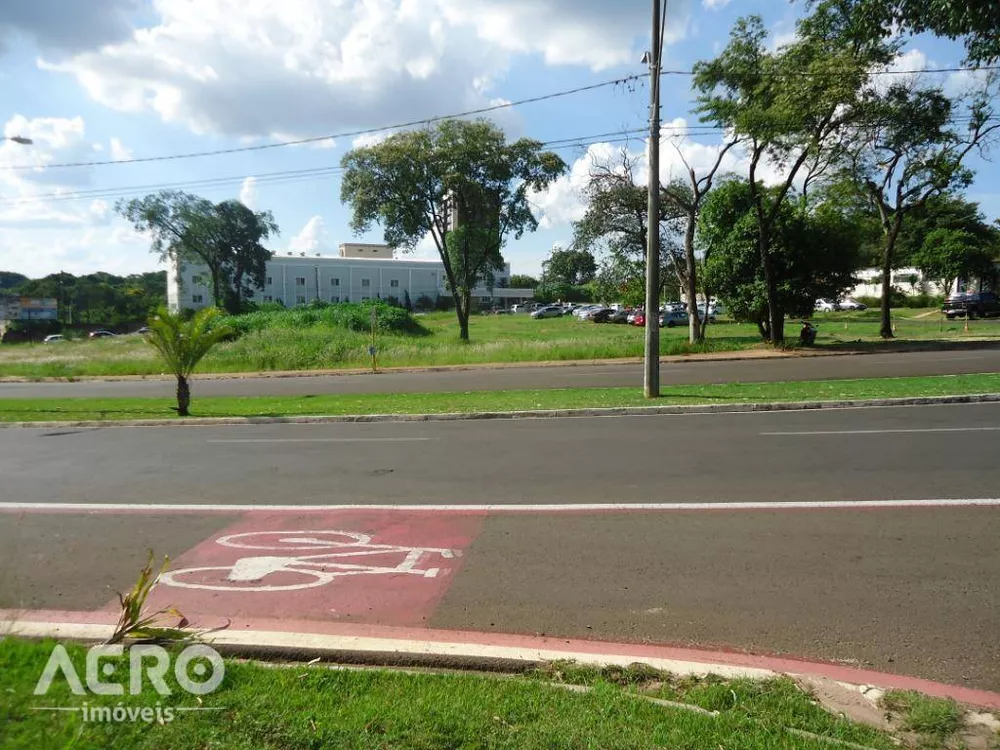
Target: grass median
(259,706)
(71,409)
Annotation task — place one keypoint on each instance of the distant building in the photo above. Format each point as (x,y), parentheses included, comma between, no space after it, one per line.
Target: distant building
(361,272)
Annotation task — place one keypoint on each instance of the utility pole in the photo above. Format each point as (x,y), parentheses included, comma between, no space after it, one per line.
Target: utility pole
(651,374)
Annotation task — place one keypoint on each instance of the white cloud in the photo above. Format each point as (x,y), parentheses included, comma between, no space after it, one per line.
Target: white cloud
(369,139)
(311,239)
(248,192)
(714,4)
(39,252)
(119,152)
(305,67)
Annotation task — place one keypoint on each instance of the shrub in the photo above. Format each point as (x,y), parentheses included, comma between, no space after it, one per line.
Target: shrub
(351,316)
(424,302)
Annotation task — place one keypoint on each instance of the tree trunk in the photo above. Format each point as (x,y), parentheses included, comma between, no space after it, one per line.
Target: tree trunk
(775,317)
(885,330)
(463,303)
(183,396)
(696,332)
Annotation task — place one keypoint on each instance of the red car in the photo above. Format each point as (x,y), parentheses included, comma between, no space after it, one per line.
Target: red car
(639,319)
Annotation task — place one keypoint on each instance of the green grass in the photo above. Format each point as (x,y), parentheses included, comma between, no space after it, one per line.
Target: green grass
(434,341)
(316,707)
(13,410)
(919,713)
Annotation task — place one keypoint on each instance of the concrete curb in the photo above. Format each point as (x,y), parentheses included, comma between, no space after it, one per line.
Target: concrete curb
(622,411)
(492,652)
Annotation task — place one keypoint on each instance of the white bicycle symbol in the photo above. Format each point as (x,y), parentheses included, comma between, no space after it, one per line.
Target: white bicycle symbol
(286,573)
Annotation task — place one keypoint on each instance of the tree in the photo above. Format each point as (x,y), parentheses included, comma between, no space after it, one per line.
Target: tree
(614,224)
(238,234)
(523,281)
(183,343)
(570,267)
(225,238)
(975,22)
(415,183)
(10,280)
(790,106)
(815,255)
(950,254)
(688,197)
(904,149)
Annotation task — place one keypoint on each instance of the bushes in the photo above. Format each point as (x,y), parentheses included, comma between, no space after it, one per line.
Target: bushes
(898,299)
(346,315)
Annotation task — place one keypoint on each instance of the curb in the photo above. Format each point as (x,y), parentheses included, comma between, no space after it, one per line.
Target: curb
(507,653)
(621,411)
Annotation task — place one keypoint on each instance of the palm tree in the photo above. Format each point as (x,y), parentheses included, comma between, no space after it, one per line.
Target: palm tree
(182,343)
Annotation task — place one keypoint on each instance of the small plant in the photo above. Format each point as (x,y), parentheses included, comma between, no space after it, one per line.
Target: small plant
(138,624)
(182,344)
(919,713)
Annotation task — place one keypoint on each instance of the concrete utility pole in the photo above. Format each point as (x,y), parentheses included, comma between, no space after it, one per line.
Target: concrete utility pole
(651,375)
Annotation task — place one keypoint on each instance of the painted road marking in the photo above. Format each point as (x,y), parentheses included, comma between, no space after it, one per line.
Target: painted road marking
(884,432)
(508,508)
(258,573)
(325,440)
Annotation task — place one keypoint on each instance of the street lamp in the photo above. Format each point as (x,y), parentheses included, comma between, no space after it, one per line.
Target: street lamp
(18,139)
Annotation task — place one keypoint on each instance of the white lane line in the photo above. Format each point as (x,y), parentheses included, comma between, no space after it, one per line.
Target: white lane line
(325,440)
(885,432)
(510,508)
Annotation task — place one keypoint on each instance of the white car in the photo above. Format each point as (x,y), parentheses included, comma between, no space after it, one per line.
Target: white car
(550,311)
(55,338)
(850,304)
(825,305)
(582,312)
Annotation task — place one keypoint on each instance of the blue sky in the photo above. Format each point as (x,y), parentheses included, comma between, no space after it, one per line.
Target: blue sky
(115,79)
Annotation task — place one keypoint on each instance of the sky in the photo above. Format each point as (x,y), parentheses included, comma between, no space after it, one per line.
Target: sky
(111,80)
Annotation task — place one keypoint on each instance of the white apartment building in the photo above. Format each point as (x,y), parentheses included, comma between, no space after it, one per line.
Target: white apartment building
(360,272)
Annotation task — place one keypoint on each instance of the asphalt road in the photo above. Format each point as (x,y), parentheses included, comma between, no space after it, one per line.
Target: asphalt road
(911,590)
(953,362)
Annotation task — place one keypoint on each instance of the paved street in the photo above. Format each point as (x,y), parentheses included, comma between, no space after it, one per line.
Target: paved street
(900,589)
(953,362)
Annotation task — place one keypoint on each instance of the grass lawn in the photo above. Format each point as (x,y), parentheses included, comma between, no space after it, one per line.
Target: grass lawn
(15,410)
(318,707)
(508,338)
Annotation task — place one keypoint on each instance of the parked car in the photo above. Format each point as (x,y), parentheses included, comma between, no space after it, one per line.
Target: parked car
(673,318)
(550,311)
(102,334)
(583,312)
(619,316)
(602,315)
(826,305)
(55,338)
(850,304)
(142,331)
(973,305)
(639,319)
(673,307)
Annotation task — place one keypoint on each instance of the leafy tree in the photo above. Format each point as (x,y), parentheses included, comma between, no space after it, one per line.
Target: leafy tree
(183,343)
(950,254)
(815,255)
(570,267)
(903,150)
(790,107)
(523,281)
(225,238)
(975,22)
(414,183)
(10,281)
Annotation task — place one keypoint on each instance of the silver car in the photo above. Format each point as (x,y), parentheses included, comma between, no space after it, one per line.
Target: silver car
(551,311)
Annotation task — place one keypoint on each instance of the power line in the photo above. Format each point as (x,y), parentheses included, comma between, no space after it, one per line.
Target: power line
(349,134)
(437,118)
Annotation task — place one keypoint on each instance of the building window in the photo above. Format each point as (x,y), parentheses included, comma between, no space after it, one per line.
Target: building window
(335,298)
(197,299)
(394,284)
(300,281)
(196,279)
(268,298)
(334,282)
(300,299)
(366,283)
(269,281)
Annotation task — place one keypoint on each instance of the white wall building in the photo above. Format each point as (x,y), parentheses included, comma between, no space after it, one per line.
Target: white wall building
(361,272)
(910,281)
